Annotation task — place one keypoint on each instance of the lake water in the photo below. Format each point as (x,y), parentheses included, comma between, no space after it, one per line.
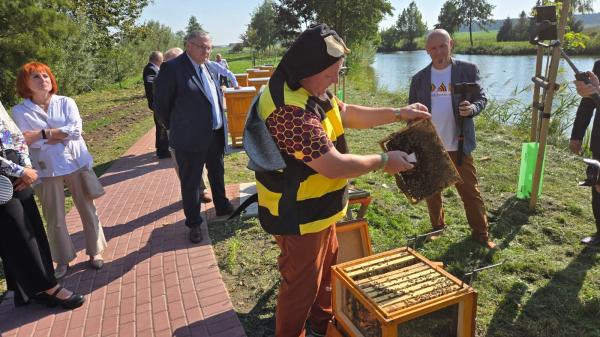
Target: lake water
(500,75)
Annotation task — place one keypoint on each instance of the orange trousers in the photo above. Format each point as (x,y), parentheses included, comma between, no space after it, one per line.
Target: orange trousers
(305,291)
(470,196)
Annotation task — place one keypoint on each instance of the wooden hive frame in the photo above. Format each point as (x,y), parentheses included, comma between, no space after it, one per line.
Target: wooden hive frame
(398,286)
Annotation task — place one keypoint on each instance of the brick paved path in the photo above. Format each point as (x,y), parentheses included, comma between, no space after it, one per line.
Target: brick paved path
(154,282)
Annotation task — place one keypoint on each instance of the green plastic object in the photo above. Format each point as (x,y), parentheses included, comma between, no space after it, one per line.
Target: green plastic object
(529,153)
(340,94)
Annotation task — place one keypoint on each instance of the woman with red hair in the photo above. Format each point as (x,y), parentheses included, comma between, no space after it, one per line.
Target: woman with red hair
(24,247)
(52,128)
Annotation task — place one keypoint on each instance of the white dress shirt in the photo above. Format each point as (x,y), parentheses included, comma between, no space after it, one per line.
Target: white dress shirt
(66,157)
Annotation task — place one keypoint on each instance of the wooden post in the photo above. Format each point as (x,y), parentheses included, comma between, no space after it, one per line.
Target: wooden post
(554,62)
(535,116)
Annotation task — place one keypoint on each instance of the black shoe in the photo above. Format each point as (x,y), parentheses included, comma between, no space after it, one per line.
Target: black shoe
(593,240)
(195,234)
(74,301)
(226,211)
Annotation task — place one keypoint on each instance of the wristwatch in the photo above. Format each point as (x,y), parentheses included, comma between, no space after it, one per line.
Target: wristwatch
(398,114)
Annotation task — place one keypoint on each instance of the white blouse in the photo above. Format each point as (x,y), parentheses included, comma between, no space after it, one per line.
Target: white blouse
(59,159)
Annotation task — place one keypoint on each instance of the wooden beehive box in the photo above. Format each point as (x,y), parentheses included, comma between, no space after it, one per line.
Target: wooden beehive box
(258,82)
(400,293)
(268,68)
(353,240)
(242,79)
(238,102)
(254,73)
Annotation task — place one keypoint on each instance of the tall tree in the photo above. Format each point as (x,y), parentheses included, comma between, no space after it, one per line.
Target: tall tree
(410,24)
(474,12)
(389,39)
(449,18)
(261,32)
(29,30)
(521,29)
(505,31)
(193,25)
(114,19)
(354,20)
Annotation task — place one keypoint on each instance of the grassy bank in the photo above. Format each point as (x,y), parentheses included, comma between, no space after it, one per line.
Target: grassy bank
(549,284)
(113,119)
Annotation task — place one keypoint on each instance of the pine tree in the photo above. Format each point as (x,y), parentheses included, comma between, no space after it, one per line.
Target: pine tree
(410,24)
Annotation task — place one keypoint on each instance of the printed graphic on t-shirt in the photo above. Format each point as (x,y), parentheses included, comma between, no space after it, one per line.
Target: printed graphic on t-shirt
(441,90)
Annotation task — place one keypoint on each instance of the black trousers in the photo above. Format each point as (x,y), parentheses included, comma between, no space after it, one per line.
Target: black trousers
(24,248)
(190,173)
(596,200)
(162,140)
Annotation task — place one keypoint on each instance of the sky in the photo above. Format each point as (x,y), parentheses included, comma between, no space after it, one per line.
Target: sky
(226,20)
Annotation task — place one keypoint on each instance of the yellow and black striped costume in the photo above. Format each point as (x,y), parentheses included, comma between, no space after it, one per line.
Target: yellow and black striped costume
(297,200)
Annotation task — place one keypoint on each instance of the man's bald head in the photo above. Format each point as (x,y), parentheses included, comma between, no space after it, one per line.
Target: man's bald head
(439,33)
(439,47)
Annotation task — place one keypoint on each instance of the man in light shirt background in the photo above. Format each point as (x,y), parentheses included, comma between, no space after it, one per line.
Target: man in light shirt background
(433,87)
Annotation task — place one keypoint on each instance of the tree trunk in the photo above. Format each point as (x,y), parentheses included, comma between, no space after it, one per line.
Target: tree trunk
(471,31)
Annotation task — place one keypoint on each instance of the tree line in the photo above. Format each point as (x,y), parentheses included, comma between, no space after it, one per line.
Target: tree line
(87,44)
(456,13)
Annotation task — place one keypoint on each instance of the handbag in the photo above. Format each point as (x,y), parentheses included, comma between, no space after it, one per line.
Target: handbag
(92,186)
(6,186)
(6,190)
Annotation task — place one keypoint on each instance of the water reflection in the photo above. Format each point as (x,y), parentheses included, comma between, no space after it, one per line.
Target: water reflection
(502,77)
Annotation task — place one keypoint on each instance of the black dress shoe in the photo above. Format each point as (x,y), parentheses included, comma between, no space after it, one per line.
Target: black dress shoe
(195,234)
(226,211)
(74,301)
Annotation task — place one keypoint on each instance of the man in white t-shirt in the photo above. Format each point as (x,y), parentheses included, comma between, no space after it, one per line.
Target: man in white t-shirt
(432,86)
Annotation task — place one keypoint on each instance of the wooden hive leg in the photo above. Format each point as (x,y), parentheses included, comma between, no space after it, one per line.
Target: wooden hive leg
(466,316)
(364,204)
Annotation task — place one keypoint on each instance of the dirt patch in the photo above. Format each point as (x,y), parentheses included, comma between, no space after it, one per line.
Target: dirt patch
(250,274)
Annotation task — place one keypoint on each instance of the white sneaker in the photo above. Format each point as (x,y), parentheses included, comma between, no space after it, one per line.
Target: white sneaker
(60,271)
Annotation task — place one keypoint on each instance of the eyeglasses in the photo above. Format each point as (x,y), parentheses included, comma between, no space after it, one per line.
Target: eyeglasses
(206,48)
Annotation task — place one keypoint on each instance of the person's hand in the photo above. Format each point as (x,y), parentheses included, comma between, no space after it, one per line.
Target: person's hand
(575,146)
(31,136)
(28,177)
(237,87)
(414,111)
(465,109)
(397,162)
(586,90)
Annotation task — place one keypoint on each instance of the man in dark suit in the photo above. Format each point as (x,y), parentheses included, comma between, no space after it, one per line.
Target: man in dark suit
(149,75)
(582,120)
(189,101)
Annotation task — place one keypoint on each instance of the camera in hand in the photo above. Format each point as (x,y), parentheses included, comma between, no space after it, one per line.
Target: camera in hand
(592,172)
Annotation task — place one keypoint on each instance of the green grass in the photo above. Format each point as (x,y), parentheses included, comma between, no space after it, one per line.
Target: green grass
(485,43)
(549,284)
(239,62)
